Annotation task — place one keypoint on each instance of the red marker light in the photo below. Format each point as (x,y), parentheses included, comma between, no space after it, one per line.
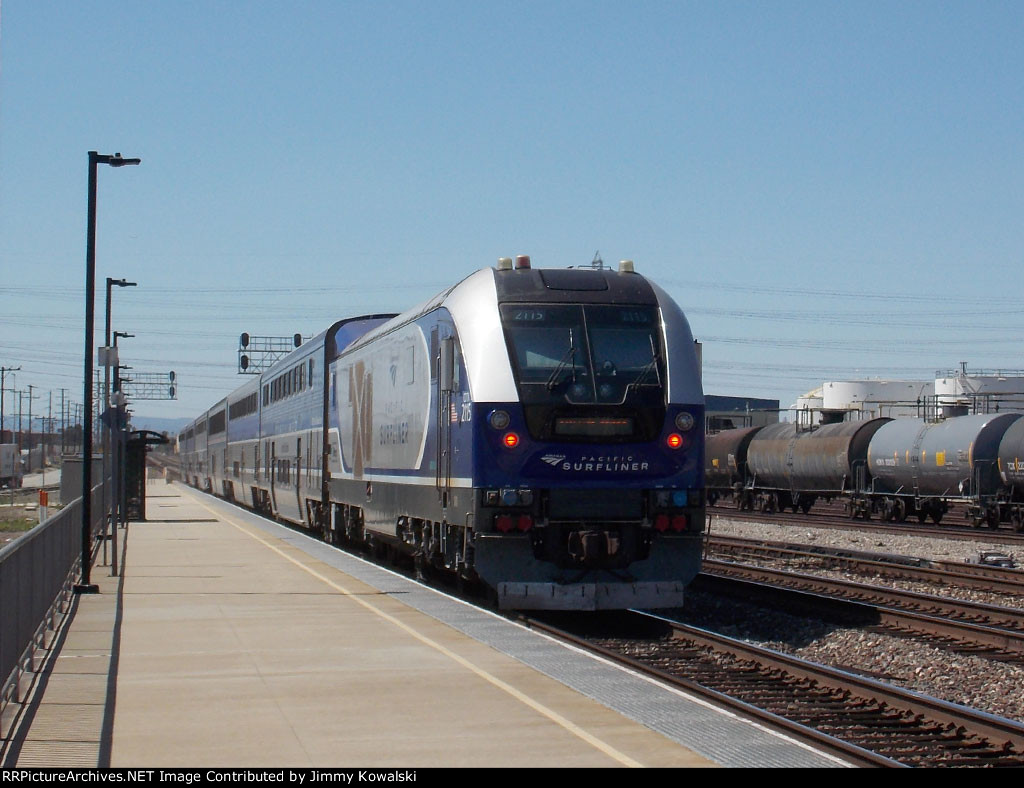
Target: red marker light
(661,523)
(504,523)
(511,440)
(674,441)
(679,522)
(525,522)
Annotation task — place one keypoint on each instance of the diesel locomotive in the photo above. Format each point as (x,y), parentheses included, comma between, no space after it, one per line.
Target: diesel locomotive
(538,431)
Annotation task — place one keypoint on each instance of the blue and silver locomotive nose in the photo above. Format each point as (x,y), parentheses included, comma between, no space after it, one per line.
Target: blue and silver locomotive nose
(600,434)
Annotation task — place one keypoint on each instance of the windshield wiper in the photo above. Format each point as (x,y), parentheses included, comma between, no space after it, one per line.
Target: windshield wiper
(650,367)
(570,356)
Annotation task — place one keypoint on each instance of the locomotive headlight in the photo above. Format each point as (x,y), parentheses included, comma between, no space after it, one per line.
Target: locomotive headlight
(684,421)
(499,419)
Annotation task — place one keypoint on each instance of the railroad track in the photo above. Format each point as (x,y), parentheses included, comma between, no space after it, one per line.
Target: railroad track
(979,630)
(864,721)
(984,577)
(839,521)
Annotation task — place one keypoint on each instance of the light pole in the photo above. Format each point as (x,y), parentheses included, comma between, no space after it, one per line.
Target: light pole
(95,159)
(119,367)
(108,433)
(118,400)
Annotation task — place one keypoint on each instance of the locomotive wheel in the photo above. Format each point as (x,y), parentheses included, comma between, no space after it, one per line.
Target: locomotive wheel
(899,511)
(1017,521)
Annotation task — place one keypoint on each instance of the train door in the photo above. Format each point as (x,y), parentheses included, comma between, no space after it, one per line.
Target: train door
(272,458)
(298,479)
(445,410)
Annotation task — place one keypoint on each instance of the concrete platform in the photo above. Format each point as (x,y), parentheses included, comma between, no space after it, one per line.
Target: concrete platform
(230,641)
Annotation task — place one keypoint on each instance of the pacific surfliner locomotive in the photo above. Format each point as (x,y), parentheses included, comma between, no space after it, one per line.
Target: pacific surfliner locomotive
(895,468)
(538,431)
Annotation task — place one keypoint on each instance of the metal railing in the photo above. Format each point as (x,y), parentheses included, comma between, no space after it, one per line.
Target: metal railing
(37,576)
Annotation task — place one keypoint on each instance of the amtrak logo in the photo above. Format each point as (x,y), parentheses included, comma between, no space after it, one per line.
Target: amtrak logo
(597,464)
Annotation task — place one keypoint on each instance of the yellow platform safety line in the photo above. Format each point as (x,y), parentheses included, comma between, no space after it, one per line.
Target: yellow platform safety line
(540,708)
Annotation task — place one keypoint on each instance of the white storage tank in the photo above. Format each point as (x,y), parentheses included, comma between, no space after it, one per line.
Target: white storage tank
(959,392)
(874,398)
(808,408)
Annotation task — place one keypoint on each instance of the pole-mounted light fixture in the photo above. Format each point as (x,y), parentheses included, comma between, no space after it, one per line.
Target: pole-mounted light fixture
(95,159)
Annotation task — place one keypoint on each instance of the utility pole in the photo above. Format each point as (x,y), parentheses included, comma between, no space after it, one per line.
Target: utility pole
(3,394)
(63,425)
(30,398)
(49,423)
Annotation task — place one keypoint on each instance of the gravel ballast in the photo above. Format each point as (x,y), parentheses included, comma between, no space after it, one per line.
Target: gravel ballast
(985,684)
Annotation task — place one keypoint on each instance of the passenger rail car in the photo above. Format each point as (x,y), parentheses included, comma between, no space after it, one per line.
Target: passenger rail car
(895,468)
(536,430)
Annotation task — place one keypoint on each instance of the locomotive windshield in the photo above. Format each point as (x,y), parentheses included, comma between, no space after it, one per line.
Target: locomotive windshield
(569,357)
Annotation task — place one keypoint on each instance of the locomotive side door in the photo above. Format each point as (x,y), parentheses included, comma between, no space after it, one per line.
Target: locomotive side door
(445,410)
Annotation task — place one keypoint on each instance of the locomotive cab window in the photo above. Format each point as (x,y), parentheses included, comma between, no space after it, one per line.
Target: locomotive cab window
(585,354)
(576,362)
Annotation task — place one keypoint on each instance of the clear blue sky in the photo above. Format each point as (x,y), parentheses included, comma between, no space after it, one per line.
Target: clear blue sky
(829,189)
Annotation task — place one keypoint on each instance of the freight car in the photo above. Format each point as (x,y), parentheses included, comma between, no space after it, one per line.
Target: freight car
(784,466)
(895,468)
(531,430)
(11,468)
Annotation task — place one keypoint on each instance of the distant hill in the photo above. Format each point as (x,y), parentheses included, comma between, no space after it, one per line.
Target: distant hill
(170,426)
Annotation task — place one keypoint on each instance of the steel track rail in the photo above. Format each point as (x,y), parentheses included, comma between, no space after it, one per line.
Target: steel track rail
(979,576)
(851,753)
(996,729)
(939,731)
(1009,621)
(962,636)
(842,522)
